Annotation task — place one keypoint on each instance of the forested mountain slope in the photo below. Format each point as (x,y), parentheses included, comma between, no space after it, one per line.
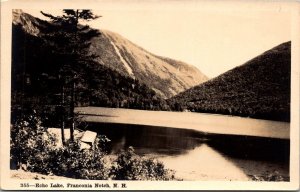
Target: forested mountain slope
(260,88)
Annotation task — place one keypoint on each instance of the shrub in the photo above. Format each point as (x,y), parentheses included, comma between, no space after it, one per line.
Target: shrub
(129,166)
(275,176)
(30,143)
(71,161)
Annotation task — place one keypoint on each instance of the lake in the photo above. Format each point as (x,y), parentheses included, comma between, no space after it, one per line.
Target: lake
(190,150)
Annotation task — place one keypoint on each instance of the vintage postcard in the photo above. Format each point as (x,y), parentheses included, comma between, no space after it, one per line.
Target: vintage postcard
(136,95)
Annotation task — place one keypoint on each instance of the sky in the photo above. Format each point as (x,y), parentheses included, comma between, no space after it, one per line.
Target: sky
(214,37)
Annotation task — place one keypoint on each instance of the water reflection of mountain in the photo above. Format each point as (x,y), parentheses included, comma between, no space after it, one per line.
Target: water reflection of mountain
(204,163)
(246,147)
(201,156)
(147,139)
(169,141)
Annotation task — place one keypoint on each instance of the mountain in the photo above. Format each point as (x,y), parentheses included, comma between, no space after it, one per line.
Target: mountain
(31,25)
(260,88)
(36,83)
(165,76)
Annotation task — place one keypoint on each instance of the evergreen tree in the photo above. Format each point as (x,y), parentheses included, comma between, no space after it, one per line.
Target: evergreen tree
(69,42)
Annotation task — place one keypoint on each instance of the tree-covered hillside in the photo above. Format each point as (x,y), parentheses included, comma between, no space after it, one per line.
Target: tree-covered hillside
(260,89)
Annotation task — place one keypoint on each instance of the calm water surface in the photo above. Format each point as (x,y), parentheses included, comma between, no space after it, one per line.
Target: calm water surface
(200,156)
(197,146)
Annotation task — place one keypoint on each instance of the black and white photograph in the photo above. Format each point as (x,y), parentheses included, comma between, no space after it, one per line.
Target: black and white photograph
(120,95)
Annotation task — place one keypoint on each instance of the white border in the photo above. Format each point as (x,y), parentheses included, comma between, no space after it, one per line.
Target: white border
(8,183)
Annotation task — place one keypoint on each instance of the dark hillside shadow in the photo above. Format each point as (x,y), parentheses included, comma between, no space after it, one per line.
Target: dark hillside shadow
(270,156)
(149,139)
(249,147)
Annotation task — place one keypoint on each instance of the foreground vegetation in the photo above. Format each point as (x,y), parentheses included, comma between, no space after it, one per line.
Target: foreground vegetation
(34,149)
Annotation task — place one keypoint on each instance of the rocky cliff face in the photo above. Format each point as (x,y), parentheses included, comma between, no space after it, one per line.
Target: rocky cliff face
(30,24)
(166,76)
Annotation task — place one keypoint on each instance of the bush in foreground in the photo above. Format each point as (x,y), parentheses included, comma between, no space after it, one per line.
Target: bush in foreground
(34,149)
(30,142)
(129,166)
